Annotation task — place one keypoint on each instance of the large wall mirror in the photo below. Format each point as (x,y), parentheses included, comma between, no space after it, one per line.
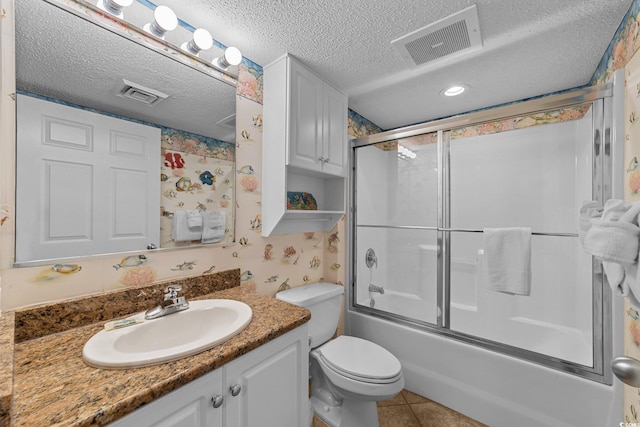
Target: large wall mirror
(93,106)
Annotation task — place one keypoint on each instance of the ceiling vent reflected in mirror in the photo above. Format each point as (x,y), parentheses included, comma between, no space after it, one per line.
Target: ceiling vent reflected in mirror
(457,33)
(142,94)
(229,122)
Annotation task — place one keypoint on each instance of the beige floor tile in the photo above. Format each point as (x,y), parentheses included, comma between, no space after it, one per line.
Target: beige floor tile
(317,422)
(397,416)
(414,398)
(432,414)
(398,399)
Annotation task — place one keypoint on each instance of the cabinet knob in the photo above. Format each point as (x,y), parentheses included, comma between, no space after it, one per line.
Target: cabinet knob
(235,389)
(323,159)
(217,401)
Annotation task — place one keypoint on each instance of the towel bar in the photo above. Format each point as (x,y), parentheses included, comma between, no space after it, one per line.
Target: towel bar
(456,230)
(535,233)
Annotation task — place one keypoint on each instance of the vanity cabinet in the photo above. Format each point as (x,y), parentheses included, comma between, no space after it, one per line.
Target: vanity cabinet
(304,148)
(265,387)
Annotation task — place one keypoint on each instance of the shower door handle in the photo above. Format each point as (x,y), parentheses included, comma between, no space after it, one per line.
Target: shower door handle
(627,369)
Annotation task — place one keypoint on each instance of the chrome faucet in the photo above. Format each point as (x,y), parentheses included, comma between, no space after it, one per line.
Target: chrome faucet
(172,303)
(375,288)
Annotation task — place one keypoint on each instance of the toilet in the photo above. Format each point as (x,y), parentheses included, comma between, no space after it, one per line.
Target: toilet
(348,374)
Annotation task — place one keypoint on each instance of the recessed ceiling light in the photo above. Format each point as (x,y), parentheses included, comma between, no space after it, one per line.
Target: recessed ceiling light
(454,90)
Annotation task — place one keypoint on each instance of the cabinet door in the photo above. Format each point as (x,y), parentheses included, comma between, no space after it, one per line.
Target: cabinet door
(334,135)
(188,406)
(271,387)
(305,115)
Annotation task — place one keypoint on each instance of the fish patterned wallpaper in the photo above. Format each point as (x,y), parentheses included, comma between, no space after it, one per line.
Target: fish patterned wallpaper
(267,264)
(197,174)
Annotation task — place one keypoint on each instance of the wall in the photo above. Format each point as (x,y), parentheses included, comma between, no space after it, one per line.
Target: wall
(267,264)
(622,53)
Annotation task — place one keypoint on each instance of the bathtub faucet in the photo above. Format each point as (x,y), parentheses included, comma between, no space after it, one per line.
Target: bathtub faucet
(375,288)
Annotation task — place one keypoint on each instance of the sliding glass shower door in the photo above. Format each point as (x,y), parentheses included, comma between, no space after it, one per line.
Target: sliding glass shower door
(535,176)
(424,203)
(396,219)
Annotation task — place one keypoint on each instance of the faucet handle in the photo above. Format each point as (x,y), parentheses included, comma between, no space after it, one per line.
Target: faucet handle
(172,291)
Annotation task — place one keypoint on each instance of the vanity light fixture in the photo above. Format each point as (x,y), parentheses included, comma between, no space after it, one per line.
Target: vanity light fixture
(232,56)
(114,7)
(201,40)
(405,153)
(164,19)
(454,90)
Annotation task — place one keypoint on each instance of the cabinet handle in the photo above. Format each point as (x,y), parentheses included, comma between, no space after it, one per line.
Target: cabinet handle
(217,401)
(235,389)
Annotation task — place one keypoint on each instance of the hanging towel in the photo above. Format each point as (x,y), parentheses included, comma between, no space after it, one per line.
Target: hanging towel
(213,226)
(614,237)
(508,260)
(180,230)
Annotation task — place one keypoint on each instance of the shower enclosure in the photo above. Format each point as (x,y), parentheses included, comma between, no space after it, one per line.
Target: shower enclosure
(423,195)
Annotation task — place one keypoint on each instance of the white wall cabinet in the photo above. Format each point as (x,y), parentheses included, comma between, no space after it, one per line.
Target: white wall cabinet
(317,116)
(304,148)
(267,387)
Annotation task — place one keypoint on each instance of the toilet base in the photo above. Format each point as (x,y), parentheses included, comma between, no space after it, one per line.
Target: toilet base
(351,413)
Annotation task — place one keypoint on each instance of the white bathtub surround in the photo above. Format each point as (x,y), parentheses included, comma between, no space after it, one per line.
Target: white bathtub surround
(508,257)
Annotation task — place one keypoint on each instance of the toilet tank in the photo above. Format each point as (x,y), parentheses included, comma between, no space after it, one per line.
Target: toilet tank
(324,301)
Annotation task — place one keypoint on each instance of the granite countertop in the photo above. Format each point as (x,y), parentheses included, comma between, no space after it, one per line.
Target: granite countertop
(53,386)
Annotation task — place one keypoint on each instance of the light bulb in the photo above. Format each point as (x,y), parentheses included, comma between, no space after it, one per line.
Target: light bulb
(114,7)
(232,56)
(164,19)
(201,40)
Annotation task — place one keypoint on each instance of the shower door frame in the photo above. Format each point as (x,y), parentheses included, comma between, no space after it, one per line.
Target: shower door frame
(601,98)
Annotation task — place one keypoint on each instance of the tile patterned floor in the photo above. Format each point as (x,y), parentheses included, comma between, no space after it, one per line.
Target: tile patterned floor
(411,410)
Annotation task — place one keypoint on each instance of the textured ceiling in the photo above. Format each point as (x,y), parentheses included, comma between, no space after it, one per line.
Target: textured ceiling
(530,48)
(62,56)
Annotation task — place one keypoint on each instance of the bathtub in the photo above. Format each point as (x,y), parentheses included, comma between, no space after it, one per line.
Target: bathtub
(493,388)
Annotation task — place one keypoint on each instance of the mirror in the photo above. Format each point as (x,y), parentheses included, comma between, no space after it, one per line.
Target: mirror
(63,57)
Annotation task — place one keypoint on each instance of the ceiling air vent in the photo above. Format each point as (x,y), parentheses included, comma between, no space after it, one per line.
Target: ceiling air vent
(456,33)
(141,94)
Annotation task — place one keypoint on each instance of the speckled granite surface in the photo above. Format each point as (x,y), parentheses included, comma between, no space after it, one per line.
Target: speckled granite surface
(54,387)
(35,322)
(6,366)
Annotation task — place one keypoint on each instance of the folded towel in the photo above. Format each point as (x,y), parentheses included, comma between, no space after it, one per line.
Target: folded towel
(508,260)
(213,226)
(180,230)
(194,218)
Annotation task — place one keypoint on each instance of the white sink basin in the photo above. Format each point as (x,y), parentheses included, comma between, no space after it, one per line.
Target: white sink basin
(205,324)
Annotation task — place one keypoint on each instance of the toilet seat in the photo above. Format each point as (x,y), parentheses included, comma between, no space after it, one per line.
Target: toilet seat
(360,360)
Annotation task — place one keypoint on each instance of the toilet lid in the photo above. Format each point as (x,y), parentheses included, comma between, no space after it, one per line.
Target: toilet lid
(360,358)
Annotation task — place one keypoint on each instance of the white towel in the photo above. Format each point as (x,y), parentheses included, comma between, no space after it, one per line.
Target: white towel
(194,218)
(508,260)
(213,226)
(614,236)
(180,230)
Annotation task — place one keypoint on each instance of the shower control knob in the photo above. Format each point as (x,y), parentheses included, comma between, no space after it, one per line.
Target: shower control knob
(217,401)
(235,389)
